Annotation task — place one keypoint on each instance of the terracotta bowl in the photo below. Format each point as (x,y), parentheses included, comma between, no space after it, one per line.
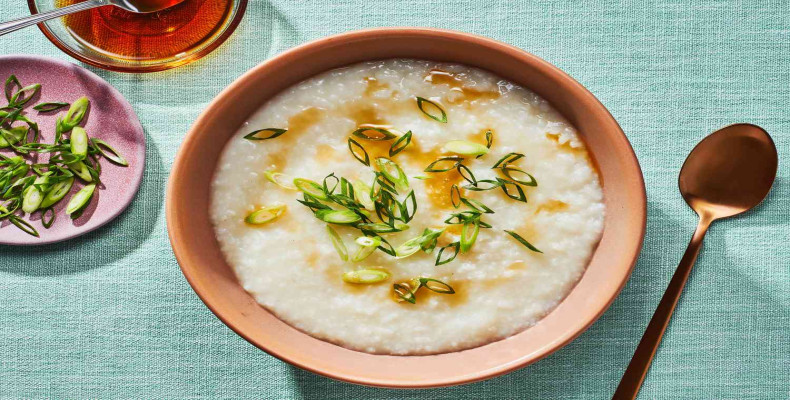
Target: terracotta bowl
(198,252)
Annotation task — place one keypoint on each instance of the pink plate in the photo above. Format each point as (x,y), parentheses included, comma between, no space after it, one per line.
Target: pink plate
(110,118)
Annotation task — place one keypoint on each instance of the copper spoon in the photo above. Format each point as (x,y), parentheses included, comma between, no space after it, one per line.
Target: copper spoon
(728,173)
(135,6)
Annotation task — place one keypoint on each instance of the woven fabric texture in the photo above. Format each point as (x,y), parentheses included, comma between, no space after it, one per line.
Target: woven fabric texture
(109,315)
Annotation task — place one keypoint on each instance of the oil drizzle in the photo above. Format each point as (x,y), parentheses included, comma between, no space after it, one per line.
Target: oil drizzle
(460,92)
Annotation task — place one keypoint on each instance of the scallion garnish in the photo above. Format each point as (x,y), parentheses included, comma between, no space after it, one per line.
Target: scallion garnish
(24,95)
(430,237)
(48,217)
(510,171)
(358,152)
(311,188)
(79,142)
(340,217)
(507,159)
(483,184)
(109,152)
(49,107)
(508,187)
(265,134)
(366,276)
(367,245)
(23,225)
(375,133)
(75,114)
(523,241)
(421,104)
(466,148)
(337,242)
(57,193)
(454,247)
(405,292)
(264,215)
(279,179)
(409,247)
(400,144)
(436,286)
(455,196)
(476,205)
(489,140)
(377,227)
(444,164)
(469,234)
(80,200)
(393,172)
(467,174)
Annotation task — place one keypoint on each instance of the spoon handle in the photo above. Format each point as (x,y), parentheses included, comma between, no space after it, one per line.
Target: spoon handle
(635,373)
(12,26)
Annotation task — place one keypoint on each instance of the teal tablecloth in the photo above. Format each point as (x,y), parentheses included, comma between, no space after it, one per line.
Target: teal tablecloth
(109,315)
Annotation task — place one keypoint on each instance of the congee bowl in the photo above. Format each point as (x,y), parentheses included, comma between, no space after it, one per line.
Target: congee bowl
(198,252)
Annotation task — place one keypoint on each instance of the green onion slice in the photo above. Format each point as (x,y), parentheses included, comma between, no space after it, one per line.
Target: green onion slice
(49,107)
(265,215)
(48,217)
(375,133)
(404,292)
(484,184)
(444,164)
(409,247)
(523,241)
(75,114)
(510,171)
(467,174)
(358,152)
(265,134)
(366,276)
(429,238)
(393,172)
(311,188)
(378,227)
(80,200)
(362,194)
(441,259)
(80,169)
(24,95)
(421,104)
(367,245)
(79,141)
(337,242)
(455,196)
(436,286)
(9,137)
(400,144)
(465,147)
(279,179)
(507,159)
(57,193)
(23,225)
(477,205)
(469,234)
(489,140)
(10,83)
(508,187)
(109,152)
(340,217)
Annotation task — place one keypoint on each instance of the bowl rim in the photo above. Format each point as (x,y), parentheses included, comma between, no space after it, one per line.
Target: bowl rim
(213,45)
(638,195)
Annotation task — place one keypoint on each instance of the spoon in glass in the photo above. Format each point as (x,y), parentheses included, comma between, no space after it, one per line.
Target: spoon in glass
(135,6)
(728,173)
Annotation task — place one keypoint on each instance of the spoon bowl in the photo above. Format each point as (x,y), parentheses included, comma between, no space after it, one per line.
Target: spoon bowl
(144,6)
(730,171)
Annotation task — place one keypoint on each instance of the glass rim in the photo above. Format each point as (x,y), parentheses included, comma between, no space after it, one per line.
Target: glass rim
(228,30)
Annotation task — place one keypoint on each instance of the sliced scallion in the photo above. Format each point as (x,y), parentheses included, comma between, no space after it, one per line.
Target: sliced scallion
(265,134)
(483,184)
(80,200)
(378,227)
(393,172)
(375,133)
(311,188)
(510,171)
(489,140)
(469,234)
(109,152)
(79,141)
(75,114)
(367,245)
(337,242)
(436,286)
(465,147)
(81,170)
(510,187)
(507,159)
(477,205)
(358,152)
(366,276)
(23,225)
(264,215)
(57,193)
(444,164)
(362,194)
(34,194)
(467,174)
(421,104)
(404,291)
(279,179)
(49,107)
(340,217)
(47,217)
(523,241)
(455,196)
(441,259)
(400,144)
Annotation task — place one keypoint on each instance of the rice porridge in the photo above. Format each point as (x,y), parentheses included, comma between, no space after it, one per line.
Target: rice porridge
(407,207)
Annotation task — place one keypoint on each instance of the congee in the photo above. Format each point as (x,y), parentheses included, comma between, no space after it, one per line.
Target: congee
(407,207)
